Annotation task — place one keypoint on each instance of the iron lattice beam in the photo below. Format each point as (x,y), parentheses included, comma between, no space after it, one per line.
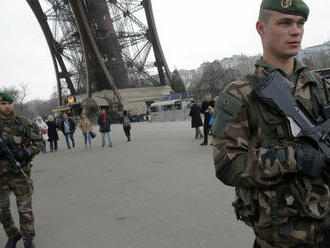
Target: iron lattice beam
(54,50)
(126,50)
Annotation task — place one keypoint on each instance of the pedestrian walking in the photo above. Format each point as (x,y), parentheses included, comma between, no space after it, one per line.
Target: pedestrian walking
(196,120)
(104,122)
(27,143)
(281,177)
(44,131)
(85,126)
(206,110)
(126,125)
(52,133)
(148,114)
(68,128)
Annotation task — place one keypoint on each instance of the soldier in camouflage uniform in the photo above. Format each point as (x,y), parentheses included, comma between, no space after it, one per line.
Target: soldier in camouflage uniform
(280,191)
(25,141)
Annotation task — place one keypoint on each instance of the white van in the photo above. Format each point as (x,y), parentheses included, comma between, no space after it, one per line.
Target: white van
(172,110)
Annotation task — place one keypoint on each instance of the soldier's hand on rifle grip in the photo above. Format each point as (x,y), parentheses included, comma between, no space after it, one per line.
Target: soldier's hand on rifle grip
(310,161)
(21,155)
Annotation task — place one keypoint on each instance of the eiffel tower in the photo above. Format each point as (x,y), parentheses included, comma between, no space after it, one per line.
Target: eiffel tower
(97,45)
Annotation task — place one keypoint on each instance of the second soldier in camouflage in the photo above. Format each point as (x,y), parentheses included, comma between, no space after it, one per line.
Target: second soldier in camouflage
(280,191)
(24,141)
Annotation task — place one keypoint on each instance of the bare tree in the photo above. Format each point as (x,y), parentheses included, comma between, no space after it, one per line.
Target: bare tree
(23,92)
(214,78)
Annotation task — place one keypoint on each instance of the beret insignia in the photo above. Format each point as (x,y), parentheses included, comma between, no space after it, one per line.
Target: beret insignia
(286,3)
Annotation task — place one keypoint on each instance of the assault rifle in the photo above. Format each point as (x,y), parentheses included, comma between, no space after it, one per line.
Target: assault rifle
(11,158)
(275,92)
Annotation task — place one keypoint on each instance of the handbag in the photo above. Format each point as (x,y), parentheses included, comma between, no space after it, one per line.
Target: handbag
(92,134)
(211,119)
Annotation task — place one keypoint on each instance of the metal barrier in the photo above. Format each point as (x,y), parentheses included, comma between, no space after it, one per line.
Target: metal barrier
(174,115)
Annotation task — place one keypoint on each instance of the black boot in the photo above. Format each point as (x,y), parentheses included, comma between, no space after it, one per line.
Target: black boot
(129,139)
(11,243)
(28,243)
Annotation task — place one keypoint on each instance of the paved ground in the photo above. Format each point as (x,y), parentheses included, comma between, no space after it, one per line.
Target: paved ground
(159,191)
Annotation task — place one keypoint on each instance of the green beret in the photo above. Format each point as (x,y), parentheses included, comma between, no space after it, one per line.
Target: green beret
(291,7)
(6,97)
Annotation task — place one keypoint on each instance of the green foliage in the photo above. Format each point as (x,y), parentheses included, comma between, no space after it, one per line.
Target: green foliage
(177,84)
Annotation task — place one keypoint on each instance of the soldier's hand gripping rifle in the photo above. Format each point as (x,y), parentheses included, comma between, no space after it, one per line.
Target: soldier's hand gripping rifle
(11,158)
(275,92)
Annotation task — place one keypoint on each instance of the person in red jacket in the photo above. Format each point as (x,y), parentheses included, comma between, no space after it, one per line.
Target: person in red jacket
(104,122)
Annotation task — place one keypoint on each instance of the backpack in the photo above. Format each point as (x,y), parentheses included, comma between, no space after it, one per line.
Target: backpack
(126,122)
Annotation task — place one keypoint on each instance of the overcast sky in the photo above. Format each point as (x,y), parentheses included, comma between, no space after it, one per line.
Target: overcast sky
(191,32)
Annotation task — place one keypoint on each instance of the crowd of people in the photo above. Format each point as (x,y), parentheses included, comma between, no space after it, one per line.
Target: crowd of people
(49,129)
(206,109)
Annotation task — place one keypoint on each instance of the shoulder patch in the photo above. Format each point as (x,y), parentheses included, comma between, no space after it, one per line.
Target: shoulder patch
(225,109)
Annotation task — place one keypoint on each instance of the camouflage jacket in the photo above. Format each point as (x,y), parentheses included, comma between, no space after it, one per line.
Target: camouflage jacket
(22,135)
(254,151)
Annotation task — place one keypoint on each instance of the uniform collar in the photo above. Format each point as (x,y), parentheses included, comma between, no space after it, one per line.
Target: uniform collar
(298,80)
(267,68)
(11,116)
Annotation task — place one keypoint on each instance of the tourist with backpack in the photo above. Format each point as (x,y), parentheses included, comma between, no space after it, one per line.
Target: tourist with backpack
(126,125)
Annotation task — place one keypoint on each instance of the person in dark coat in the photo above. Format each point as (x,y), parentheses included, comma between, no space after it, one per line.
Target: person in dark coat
(196,120)
(206,110)
(126,125)
(104,122)
(68,128)
(52,133)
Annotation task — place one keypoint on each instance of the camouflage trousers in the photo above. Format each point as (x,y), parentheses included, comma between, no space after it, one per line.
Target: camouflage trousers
(298,232)
(22,190)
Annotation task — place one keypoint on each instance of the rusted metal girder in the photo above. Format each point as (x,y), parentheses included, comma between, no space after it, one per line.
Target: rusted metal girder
(54,50)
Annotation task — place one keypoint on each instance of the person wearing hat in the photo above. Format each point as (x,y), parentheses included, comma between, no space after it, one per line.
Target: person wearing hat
(282,188)
(24,141)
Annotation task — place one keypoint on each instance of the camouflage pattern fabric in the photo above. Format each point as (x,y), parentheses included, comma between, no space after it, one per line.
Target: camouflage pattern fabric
(23,135)
(22,190)
(254,152)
